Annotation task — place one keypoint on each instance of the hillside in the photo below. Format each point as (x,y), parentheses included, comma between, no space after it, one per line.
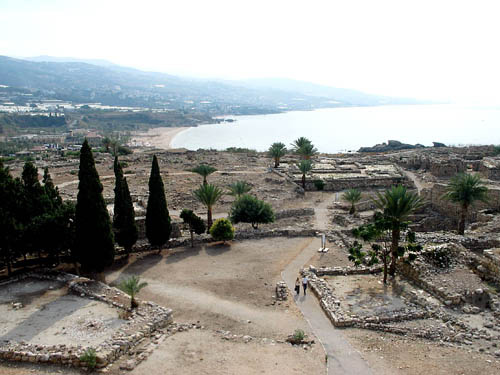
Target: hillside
(109,84)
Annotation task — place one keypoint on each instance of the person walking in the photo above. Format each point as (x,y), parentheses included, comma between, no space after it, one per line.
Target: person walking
(297,286)
(305,280)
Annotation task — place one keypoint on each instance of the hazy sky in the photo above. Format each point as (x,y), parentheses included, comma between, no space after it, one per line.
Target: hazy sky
(436,49)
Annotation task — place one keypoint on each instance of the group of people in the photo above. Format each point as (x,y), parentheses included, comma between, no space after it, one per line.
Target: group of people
(305,281)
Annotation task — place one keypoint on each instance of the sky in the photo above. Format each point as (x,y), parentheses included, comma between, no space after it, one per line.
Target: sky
(440,49)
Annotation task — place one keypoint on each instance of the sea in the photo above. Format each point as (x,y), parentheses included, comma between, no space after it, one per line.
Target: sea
(347,129)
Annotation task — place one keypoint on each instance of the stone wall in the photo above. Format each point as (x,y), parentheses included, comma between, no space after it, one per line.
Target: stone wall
(357,183)
(490,168)
(143,322)
(342,318)
(297,212)
(446,208)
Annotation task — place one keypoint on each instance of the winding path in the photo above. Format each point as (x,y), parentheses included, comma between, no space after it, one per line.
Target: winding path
(342,357)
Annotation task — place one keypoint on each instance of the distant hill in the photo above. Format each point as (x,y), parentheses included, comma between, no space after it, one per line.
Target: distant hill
(84,81)
(344,95)
(45,58)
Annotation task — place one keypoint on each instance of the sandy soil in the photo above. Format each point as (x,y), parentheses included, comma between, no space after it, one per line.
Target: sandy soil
(203,352)
(158,137)
(366,295)
(50,316)
(223,287)
(392,354)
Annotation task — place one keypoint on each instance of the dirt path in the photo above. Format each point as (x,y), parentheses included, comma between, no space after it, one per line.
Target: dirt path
(419,185)
(342,357)
(322,200)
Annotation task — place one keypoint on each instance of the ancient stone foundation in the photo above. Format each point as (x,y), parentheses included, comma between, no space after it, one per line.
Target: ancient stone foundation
(143,322)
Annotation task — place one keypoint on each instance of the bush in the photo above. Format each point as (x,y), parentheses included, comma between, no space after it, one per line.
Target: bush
(241,150)
(122,150)
(89,357)
(319,184)
(222,230)
(248,209)
(299,335)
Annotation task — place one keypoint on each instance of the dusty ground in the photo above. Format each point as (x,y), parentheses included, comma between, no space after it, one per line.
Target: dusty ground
(392,354)
(51,316)
(222,286)
(366,295)
(204,352)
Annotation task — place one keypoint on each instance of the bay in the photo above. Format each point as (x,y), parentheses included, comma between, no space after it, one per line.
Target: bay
(344,129)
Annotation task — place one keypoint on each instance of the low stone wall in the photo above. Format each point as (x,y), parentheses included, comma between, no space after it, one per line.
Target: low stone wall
(143,322)
(344,271)
(250,234)
(298,212)
(357,183)
(446,208)
(411,273)
(341,318)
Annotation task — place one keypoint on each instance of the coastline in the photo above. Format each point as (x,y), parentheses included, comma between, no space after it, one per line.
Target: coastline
(158,137)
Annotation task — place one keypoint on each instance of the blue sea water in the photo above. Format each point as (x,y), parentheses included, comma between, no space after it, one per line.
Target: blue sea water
(343,129)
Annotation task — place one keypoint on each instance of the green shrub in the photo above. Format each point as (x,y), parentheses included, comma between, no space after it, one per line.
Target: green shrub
(122,150)
(298,335)
(89,357)
(222,230)
(248,209)
(241,150)
(319,184)
(496,150)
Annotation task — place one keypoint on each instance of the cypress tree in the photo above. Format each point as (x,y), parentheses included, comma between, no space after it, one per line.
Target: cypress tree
(124,215)
(158,225)
(10,213)
(94,247)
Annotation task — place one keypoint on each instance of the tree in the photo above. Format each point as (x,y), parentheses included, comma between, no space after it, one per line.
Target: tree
(158,225)
(299,143)
(132,286)
(248,209)
(304,166)
(397,205)
(239,188)
(126,233)
(380,233)
(277,151)
(352,196)
(208,195)
(464,189)
(307,151)
(222,230)
(50,189)
(203,170)
(106,142)
(94,245)
(10,213)
(196,224)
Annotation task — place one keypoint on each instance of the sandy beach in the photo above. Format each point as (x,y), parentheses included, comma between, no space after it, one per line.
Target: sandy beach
(158,137)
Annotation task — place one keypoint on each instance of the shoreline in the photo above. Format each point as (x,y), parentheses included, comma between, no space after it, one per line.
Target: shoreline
(161,137)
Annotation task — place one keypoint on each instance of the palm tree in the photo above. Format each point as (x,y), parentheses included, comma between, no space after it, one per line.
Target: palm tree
(352,196)
(304,166)
(239,188)
(464,189)
(299,142)
(132,286)
(277,151)
(397,205)
(307,151)
(208,195)
(203,170)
